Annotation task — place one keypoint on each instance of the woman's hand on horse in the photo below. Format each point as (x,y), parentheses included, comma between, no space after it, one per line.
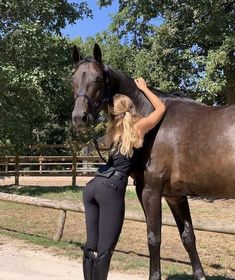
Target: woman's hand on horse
(141,84)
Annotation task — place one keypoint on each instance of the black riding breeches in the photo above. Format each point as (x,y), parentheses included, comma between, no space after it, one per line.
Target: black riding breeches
(104,209)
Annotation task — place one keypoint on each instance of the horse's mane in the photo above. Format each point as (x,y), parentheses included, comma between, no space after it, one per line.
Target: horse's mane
(177,95)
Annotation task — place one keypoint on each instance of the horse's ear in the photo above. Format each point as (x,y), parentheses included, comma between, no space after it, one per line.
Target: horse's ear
(76,55)
(97,53)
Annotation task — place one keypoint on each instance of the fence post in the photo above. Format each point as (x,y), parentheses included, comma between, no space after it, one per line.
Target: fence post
(6,166)
(74,166)
(60,226)
(40,164)
(17,159)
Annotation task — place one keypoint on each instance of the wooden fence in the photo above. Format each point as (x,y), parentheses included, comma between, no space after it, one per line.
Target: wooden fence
(65,206)
(49,166)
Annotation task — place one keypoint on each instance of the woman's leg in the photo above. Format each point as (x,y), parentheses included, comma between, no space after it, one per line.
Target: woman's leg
(112,208)
(92,229)
(111,220)
(88,263)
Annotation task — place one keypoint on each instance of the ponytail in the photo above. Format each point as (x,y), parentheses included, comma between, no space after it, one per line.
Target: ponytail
(122,134)
(126,140)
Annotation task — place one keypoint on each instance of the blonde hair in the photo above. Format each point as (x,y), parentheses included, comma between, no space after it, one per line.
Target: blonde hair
(122,134)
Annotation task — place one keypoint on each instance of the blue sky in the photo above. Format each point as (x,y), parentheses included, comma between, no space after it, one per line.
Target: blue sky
(101,20)
(89,27)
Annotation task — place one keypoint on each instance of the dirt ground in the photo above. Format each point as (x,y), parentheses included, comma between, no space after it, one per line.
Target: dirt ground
(21,261)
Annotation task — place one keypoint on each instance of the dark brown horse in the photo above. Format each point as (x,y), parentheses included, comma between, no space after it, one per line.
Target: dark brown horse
(190,153)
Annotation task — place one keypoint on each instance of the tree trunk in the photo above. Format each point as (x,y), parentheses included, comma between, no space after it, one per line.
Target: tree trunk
(229,72)
(230,94)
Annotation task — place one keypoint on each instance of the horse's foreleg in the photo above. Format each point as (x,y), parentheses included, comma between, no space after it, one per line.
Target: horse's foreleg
(151,202)
(180,210)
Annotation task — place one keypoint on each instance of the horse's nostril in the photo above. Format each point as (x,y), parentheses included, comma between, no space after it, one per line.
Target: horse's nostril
(75,119)
(84,118)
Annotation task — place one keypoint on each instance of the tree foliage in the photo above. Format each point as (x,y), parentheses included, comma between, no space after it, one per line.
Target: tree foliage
(35,66)
(50,15)
(194,48)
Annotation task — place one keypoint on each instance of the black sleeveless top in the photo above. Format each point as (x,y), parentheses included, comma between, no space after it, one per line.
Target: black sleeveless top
(122,163)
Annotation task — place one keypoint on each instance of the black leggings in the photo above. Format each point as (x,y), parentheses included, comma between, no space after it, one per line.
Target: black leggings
(104,209)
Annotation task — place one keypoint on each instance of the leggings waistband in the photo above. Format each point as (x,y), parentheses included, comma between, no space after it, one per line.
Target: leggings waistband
(118,173)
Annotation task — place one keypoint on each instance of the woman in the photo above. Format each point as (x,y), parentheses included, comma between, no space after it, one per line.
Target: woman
(104,195)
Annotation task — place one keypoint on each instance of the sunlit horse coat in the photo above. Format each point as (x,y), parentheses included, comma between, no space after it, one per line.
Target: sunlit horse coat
(191,152)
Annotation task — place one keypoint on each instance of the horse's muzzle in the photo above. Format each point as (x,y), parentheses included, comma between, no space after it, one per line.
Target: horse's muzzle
(82,121)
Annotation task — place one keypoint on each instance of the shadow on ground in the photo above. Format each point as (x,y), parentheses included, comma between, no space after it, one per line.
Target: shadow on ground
(147,256)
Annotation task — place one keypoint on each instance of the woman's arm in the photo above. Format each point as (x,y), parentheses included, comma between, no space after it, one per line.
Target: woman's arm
(147,123)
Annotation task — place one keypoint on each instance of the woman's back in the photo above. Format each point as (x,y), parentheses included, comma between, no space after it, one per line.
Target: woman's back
(122,163)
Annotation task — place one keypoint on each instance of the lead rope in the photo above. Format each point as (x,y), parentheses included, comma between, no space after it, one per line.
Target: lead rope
(98,149)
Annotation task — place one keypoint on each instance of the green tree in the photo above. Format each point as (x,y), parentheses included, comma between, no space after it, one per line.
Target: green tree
(35,66)
(194,48)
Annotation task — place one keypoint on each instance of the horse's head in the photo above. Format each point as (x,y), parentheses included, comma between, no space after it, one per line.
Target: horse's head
(91,87)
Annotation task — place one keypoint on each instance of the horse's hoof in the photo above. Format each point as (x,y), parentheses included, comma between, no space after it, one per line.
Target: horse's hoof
(199,275)
(155,276)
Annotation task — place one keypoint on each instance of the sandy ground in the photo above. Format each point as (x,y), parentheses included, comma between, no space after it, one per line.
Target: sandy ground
(21,261)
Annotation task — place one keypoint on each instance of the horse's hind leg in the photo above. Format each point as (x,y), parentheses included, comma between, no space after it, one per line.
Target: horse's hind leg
(180,210)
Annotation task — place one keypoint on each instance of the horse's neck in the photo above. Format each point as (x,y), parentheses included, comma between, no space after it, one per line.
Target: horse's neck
(120,83)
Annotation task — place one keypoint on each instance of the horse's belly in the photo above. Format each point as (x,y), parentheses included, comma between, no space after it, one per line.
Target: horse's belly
(205,183)
(207,170)
(191,189)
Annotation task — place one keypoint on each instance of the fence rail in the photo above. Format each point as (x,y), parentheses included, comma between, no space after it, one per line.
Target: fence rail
(65,206)
(49,166)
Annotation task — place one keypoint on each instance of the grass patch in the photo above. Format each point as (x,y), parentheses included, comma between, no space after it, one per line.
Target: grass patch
(8,206)
(231,252)
(59,193)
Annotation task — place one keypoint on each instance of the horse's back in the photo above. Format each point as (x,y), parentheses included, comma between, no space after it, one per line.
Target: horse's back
(195,150)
